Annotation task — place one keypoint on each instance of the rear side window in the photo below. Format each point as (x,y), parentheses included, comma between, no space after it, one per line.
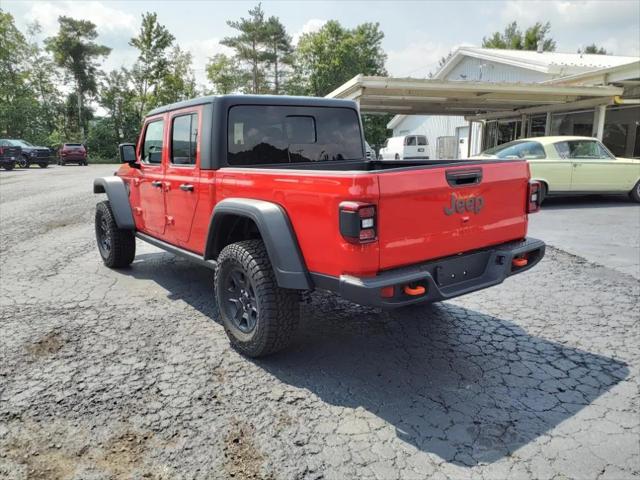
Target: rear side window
(152,146)
(582,149)
(410,141)
(263,135)
(184,139)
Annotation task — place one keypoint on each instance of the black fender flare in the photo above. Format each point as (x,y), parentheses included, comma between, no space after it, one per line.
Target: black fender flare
(276,231)
(118,196)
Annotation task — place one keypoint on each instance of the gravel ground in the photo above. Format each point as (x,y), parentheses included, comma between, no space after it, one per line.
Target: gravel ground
(127,374)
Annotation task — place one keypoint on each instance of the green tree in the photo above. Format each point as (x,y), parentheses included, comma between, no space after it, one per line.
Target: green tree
(178,81)
(326,59)
(593,48)
(514,39)
(279,51)
(249,45)
(153,43)
(74,50)
(119,100)
(329,57)
(225,74)
(375,128)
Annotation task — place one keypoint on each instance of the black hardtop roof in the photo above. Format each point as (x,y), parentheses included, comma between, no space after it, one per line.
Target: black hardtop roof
(230,100)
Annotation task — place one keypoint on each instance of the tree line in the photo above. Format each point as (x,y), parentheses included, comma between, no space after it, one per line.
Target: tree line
(49,90)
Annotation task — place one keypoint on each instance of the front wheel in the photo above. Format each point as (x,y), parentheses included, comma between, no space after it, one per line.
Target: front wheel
(117,247)
(23,162)
(635,193)
(258,316)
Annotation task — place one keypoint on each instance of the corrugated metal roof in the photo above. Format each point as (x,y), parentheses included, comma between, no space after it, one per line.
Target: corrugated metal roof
(554,63)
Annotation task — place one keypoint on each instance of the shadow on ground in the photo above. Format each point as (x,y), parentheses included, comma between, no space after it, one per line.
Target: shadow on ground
(588,201)
(468,387)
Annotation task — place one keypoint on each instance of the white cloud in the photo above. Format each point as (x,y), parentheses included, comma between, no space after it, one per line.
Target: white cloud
(573,14)
(201,51)
(417,59)
(107,19)
(312,25)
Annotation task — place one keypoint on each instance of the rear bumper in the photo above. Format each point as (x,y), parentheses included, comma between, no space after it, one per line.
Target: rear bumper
(442,279)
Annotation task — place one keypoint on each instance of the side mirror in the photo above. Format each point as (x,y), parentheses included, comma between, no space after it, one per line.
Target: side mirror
(127,153)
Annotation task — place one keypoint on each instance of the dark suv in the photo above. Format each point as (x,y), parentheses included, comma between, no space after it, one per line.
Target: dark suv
(9,154)
(31,154)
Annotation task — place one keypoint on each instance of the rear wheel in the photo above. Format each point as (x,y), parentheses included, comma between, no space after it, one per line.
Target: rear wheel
(543,192)
(117,247)
(397,157)
(8,166)
(43,165)
(258,316)
(635,193)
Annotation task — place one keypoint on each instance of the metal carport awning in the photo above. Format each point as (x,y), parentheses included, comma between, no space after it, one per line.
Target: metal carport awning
(474,100)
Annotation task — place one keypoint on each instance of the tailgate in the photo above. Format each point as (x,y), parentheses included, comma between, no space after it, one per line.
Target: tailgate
(438,211)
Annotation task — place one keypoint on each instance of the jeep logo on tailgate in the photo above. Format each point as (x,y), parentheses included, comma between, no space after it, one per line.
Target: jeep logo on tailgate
(459,205)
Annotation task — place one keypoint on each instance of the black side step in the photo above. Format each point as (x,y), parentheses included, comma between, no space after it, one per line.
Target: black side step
(194,257)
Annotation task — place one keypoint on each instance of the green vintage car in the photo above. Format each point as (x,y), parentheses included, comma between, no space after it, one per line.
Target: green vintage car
(573,166)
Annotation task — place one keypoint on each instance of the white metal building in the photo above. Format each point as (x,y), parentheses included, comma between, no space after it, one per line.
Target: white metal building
(498,125)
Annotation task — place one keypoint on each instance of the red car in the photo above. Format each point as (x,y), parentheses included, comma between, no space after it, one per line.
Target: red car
(276,195)
(73,153)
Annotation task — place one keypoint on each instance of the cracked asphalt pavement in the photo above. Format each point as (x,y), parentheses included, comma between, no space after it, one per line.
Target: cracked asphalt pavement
(124,374)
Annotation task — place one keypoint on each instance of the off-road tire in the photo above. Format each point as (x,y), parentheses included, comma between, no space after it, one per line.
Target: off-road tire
(122,243)
(278,309)
(8,166)
(635,193)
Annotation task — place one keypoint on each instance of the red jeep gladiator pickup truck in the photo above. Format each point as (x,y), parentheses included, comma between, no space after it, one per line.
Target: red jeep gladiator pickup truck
(276,194)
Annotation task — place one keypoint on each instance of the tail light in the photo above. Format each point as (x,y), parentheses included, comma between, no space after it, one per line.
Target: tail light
(1,150)
(358,222)
(533,197)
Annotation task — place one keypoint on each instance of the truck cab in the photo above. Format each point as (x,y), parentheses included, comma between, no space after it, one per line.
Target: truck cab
(276,194)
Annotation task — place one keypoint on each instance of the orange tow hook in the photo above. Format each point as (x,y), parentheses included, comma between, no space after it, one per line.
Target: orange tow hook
(520,262)
(414,291)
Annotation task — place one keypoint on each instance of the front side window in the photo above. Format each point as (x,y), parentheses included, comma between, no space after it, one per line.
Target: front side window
(583,149)
(526,150)
(263,135)
(152,146)
(184,137)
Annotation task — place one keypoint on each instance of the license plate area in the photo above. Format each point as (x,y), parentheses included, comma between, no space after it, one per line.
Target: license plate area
(461,269)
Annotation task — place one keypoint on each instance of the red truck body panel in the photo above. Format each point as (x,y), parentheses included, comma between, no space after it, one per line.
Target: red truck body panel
(412,223)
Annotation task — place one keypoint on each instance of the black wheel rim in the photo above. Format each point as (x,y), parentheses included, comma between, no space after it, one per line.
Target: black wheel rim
(104,236)
(239,300)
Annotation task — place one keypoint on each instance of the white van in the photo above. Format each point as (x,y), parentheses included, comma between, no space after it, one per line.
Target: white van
(407,147)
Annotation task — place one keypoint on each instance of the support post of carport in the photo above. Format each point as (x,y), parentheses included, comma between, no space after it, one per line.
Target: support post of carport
(469,139)
(598,121)
(547,125)
(523,127)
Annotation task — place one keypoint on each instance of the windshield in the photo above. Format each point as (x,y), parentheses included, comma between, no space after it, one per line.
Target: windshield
(262,135)
(525,149)
(20,143)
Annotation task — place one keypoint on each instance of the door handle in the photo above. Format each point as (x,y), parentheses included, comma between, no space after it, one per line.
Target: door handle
(186,187)
(156,183)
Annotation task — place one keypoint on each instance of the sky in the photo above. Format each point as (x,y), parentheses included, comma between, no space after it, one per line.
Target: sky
(417,33)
